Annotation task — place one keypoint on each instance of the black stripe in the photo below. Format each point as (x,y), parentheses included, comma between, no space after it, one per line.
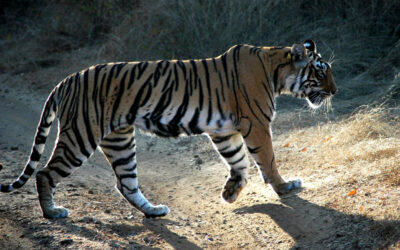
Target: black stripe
(181,109)
(254,150)
(101,103)
(157,74)
(124,161)
(24,178)
(130,169)
(17,184)
(302,76)
(119,139)
(247,99)
(224,64)
(183,68)
(148,93)
(261,110)
(66,96)
(238,160)
(124,176)
(97,70)
(189,82)
(236,53)
(68,154)
(120,147)
(79,139)
(165,68)
(136,103)
(275,76)
(69,137)
(86,113)
(217,140)
(167,81)
(119,67)
(201,95)
(40,139)
(29,170)
(132,76)
(271,99)
(35,155)
(207,74)
(219,104)
(118,100)
(142,67)
(194,122)
(176,78)
(110,78)
(6,188)
(163,103)
(232,152)
(248,132)
(194,67)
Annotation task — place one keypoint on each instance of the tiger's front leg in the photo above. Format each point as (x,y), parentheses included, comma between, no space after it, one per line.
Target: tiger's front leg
(259,144)
(232,150)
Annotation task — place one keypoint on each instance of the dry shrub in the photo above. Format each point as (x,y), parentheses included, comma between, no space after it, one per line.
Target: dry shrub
(366,144)
(368,123)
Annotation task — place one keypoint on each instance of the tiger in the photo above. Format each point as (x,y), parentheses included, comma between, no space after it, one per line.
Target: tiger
(230,98)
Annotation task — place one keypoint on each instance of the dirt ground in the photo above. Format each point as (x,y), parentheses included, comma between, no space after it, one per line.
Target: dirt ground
(187,175)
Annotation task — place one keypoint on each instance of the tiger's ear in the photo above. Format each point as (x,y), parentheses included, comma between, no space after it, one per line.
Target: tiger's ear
(310,45)
(299,56)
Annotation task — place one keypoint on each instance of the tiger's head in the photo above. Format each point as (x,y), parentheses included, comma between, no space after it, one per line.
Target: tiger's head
(313,79)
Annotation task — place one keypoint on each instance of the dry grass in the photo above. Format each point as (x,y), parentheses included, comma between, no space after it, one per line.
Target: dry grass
(351,166)
(368,141)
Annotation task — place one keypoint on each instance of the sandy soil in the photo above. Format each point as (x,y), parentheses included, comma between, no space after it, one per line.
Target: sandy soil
(187,175)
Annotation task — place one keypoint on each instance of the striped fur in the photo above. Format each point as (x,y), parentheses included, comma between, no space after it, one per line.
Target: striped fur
(229,97)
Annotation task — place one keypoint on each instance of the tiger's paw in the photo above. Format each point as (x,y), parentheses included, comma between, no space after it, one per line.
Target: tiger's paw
(55,213)
(157,211)
(232,188)
(289,186)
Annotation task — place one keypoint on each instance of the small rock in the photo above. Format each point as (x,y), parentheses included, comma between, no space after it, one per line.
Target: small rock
(66,242)
(199,161)
(340,234)
(13,148)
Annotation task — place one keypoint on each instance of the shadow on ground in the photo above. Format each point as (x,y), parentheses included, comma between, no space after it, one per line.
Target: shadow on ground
(311,225)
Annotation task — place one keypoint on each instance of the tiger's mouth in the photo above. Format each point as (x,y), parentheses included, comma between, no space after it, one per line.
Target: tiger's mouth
(318,98)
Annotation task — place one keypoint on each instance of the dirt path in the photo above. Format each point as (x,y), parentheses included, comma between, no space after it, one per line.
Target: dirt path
(187,175)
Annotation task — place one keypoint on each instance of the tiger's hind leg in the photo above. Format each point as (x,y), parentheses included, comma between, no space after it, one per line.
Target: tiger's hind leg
(232,150)
(65,159)
(120,149)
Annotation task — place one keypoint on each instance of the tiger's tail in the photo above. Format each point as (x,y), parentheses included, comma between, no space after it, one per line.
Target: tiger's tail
(48,115)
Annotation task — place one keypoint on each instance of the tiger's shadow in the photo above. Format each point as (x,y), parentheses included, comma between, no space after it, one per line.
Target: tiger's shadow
(313,226)
(157,226)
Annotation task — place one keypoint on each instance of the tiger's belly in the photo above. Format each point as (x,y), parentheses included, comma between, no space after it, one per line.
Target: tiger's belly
(191,124)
